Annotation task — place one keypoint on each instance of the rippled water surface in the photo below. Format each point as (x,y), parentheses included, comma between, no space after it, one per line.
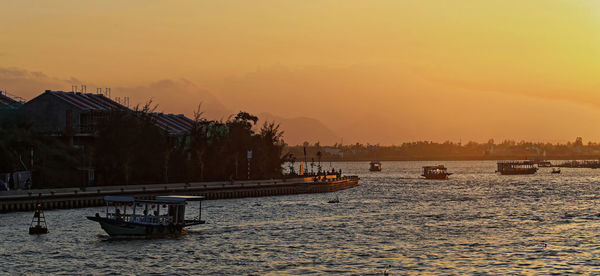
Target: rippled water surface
(476,222)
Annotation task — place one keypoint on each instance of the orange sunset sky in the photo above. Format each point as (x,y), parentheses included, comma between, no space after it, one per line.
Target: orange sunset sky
(368,71)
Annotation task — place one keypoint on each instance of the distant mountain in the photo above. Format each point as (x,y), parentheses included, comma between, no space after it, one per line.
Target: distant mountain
(178,96)
(300,129)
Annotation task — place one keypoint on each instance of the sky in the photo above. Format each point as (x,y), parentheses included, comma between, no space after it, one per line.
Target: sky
(371,71)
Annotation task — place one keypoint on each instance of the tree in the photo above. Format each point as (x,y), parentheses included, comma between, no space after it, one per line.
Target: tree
(130,147)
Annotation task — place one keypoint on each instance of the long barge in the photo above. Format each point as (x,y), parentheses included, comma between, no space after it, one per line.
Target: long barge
(516,167)
(94,196)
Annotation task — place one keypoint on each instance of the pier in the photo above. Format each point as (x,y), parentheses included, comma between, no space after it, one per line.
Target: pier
(67,198)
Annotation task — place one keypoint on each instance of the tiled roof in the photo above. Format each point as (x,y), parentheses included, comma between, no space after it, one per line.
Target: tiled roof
(89,101)
(5,100)
(173,124)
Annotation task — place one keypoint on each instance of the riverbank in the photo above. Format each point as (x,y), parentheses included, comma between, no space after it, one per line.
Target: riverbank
(12,201)
(461,158)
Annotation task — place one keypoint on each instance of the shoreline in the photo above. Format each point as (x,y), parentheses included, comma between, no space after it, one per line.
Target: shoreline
(495,158)
(67,198)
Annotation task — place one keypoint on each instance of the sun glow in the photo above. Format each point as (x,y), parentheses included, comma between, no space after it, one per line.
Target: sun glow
(385,59)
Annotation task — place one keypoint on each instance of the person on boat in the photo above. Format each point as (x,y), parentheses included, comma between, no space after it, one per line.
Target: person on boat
(3,186)
(118,214)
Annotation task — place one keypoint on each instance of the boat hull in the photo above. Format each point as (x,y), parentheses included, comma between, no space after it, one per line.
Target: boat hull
(441,176)
(519,171)
(121,228)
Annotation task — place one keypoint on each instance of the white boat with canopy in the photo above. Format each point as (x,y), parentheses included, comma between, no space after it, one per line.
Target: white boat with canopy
(165,215)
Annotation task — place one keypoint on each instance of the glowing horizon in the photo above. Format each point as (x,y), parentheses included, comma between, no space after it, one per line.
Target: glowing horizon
(377,71)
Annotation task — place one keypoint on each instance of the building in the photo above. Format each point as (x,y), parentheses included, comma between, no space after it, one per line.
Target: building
(68,113)
(173,124)
(334,151)
(76,115)
(7,102)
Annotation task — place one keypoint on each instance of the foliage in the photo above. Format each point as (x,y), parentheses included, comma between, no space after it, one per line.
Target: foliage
(54,163)
(219,149)
(428,150)
(130,148)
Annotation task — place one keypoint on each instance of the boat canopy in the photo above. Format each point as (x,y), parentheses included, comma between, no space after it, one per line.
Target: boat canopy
(179,198)
(439,167)
(119,198)
(527,162)
(159,199)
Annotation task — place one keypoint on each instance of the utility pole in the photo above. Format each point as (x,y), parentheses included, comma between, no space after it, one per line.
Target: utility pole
(249,157)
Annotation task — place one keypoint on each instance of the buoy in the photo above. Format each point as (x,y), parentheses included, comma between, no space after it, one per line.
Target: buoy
(38,223)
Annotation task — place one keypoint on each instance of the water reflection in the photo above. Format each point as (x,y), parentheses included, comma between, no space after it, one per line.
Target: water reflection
(475,222)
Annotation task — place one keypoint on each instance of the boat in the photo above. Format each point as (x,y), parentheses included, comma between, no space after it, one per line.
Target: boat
(435,172)
(555,170)
(375,166)
(516,167)
(163,216)
(545,164)
(335,200)
(38,223)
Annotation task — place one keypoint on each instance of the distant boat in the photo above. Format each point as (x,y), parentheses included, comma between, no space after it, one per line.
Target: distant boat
(555,170)
(147,218)
(435,172)
(335,200)
(545,164)
(375,166)
(516,167)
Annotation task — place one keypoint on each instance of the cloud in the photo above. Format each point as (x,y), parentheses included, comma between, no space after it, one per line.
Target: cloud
(297,130)
(172,96)
(180,96)
(394,105)
(176,96)
(28,84)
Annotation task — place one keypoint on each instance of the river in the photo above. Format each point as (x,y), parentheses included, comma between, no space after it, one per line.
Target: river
(395,221)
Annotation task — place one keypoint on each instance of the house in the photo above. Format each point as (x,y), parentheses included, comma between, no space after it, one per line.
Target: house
(7,102)
(173,124)
(76,115)
(334,151)
(68,113)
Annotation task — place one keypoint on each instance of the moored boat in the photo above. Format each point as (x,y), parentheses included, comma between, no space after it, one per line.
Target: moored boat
(516,167)
(544,164)
(435,172)
(147,218)
(375,166)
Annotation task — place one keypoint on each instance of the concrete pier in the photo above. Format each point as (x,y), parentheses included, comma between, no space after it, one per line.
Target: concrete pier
(12,201)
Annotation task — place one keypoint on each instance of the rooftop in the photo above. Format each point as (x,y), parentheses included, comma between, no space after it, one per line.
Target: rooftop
(5,100)
(174,124)
(89,101)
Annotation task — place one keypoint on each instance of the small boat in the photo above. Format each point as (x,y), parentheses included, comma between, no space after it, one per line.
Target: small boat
(38,223)
(335,200)
(516,167)
(375,166)
(148,218)
(545,164)
(555,170)
(435,172)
